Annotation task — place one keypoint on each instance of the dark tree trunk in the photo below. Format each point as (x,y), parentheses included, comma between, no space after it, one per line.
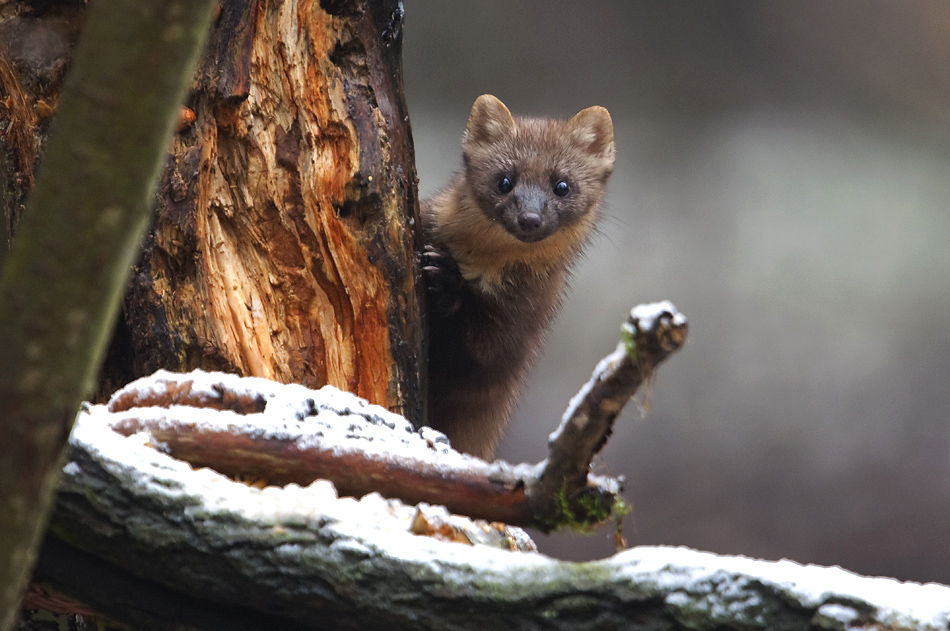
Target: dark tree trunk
(61,285)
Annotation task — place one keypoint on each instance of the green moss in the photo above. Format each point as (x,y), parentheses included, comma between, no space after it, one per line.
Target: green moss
(596,509)
(621,508)
(585,510)
(628,334)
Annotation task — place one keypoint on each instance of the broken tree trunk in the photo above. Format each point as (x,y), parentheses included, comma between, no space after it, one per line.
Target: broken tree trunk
(283,245)
(283,241)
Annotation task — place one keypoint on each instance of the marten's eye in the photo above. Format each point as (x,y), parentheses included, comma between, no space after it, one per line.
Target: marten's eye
(562,188)
(505,184)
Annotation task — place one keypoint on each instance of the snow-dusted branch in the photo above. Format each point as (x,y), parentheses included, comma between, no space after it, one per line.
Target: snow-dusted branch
(651,333)
(276,434)
(301,555)
(268,433)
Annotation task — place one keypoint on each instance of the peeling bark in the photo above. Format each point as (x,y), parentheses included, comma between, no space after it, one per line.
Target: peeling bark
(283,245)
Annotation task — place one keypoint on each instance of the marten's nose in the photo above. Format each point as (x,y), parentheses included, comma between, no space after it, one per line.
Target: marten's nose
(529,221)
(530,206)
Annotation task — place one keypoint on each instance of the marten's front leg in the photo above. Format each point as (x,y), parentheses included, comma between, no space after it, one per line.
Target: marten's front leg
(443,281)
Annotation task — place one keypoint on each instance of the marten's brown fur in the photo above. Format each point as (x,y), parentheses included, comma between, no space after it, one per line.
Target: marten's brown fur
(500,243)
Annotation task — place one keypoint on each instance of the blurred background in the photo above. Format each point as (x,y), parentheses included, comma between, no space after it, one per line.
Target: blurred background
(783,176)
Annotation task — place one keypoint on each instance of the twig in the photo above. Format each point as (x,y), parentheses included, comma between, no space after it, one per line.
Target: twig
(562,492)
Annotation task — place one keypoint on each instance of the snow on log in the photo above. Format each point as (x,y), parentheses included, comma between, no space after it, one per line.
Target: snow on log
(303,554)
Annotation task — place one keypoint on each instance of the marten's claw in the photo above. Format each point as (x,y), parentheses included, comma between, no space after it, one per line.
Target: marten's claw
(443,281)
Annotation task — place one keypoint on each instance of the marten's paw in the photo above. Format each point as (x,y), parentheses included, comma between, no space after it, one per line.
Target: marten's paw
(443,281)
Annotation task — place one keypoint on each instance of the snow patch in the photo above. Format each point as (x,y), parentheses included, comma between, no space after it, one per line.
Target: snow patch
(897,603)
(647,314)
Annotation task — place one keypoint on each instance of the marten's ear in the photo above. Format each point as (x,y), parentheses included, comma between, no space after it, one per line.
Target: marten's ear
(489,122)
(593,131)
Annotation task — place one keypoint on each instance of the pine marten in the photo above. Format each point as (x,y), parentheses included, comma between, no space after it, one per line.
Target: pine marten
(500,242)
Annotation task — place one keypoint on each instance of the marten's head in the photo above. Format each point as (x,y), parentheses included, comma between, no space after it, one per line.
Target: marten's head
(536,176)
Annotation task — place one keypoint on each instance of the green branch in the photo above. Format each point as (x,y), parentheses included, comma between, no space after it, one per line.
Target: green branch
(62,282)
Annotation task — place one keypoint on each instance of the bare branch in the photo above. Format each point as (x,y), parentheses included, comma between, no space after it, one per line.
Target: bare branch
(259,430)
(562,491)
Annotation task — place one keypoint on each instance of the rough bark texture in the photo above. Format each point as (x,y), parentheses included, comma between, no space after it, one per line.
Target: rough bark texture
(282,246)
(283,242)
(302,555)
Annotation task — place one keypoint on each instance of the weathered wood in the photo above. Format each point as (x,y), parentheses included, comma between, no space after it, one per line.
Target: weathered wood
(283,246)
(274,434)
(485,491)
